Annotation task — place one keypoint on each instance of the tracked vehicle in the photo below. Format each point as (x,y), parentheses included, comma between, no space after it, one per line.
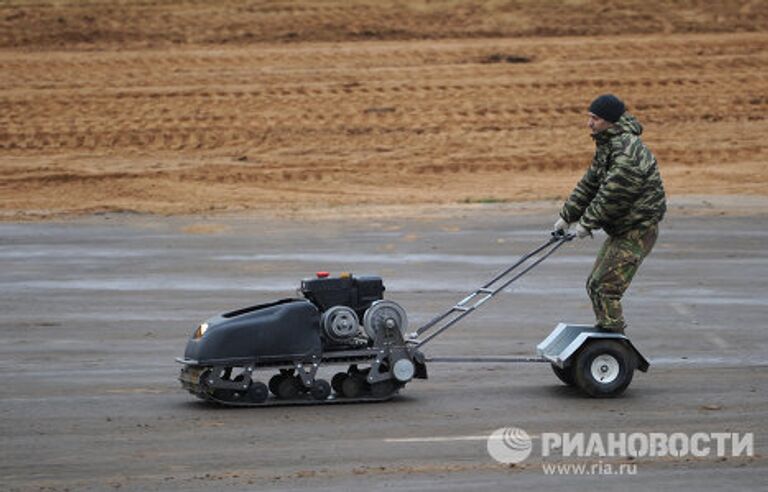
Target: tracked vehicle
(339,322)
(280,353)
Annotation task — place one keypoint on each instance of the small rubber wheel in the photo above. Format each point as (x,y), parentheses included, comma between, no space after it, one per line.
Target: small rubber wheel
(604,368)
(288,388)
(320,389)
(564,374)
(257,392)
(353,387)
(383,388)
(274,383)
(338,380)
(204,378)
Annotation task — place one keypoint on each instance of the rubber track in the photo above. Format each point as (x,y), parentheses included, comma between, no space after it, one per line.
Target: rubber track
(276,402)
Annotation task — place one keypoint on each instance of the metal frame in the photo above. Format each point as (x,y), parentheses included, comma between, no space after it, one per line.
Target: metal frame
(565,340)
(484,293)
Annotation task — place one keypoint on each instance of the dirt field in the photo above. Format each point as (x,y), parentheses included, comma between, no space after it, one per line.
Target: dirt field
(285,107)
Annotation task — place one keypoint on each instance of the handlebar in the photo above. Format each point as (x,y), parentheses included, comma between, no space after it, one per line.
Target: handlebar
(502,280)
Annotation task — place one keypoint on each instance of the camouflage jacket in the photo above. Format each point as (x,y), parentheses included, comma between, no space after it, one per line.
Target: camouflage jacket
(622,189)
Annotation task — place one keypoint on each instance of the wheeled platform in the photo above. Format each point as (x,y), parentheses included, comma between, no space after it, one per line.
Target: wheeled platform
(600,363)
(605,360)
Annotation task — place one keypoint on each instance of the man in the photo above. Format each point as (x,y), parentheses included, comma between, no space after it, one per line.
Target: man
(622,194)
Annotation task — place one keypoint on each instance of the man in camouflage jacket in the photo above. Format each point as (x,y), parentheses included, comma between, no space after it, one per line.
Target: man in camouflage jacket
(622,194)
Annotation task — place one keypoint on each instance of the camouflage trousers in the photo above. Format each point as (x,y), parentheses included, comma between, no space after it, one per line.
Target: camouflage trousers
(616,265)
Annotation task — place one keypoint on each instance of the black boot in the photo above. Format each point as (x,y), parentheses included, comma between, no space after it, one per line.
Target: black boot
(614,329)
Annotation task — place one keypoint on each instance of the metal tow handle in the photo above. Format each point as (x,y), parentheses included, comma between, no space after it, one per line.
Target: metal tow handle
(463,308)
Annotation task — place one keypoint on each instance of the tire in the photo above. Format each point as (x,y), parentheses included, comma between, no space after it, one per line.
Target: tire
(320,390)
(565,374)
(257,392)
(353,386)
(288,388)
(604,368)
(338,380)
(383,389)
(203,379)
(274,383)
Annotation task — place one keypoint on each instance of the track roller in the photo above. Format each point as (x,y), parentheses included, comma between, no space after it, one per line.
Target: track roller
(353,386)
(274,382)
(337,381)
(289,387)
(383,388)
(320,389)
(257,392)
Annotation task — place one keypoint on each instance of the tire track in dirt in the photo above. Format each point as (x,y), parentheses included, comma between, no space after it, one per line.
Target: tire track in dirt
(374,122)
(155,24)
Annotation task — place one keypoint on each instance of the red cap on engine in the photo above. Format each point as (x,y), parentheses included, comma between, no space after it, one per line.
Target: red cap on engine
(322,274)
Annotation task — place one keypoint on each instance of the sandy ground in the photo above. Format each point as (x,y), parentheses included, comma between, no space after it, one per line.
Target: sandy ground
(285,107)
(95,311)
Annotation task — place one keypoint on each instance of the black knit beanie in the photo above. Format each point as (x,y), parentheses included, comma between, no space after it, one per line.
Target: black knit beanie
(608,107)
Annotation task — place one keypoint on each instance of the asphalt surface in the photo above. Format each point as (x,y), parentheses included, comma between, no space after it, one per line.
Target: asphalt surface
(94,312)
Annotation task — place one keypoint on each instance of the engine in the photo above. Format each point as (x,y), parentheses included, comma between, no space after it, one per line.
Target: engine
(353,309)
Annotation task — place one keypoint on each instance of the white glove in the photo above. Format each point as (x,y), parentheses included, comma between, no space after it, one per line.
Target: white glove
(581,231)
(561,225)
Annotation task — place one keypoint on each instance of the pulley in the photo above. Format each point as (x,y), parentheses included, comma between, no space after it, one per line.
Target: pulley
(340,324)
(384,314)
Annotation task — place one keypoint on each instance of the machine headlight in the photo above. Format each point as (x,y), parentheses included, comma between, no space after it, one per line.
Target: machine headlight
(201,330)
